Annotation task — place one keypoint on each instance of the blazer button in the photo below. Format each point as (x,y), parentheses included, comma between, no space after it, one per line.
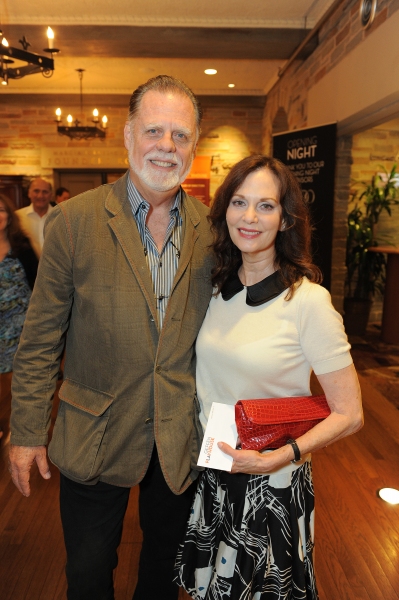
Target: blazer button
(158,369)
(148,421)
(152,319)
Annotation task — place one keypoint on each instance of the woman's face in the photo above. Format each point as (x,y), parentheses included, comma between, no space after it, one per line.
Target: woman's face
(3,217)
(254,214)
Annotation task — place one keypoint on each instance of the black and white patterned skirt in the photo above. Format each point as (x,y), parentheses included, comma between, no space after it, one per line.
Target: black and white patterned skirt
(250,537)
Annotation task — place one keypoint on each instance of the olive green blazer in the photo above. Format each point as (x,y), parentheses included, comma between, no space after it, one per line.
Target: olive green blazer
(126,384)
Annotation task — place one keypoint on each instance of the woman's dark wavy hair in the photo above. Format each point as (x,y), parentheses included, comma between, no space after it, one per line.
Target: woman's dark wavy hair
(16,237)
(293,244)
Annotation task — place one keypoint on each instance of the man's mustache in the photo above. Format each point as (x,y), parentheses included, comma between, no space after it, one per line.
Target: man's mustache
(167,157)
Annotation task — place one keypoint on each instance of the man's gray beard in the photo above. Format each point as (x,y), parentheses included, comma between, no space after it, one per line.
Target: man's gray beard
(160,182)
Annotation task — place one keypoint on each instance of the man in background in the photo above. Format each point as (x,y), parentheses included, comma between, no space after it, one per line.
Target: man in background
(127,267)
(61,194)
(33,217)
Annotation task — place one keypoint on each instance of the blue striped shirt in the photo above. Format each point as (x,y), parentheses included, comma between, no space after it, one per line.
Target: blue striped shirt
(162,265)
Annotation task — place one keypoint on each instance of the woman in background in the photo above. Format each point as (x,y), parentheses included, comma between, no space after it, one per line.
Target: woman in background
(18,267)
(250,535)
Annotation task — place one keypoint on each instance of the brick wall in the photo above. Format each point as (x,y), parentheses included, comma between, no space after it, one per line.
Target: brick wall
(228,135)
(30,144)
(372,149)
(337,37)
(342,191)
(29,135)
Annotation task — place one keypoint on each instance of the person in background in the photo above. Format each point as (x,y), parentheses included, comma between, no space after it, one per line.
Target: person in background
(127,268)
(33,217)
(18,267)
(251,533)
(61,194)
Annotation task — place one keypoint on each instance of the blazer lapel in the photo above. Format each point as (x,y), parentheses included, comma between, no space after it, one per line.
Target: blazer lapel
(125,229)
(190,235)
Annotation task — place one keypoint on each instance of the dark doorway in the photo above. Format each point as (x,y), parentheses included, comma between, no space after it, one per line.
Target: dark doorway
(78,181)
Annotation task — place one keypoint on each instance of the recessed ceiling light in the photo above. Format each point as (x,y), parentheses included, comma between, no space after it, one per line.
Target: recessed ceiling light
(389,495)
(210,71)
(232,85)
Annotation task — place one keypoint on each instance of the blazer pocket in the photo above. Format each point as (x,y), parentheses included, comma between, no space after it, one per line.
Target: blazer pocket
(77,446)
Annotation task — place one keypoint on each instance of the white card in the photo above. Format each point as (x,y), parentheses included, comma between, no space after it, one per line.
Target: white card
(221,427)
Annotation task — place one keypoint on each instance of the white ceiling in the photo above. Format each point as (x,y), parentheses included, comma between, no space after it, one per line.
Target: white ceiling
(121,44)
(174,13)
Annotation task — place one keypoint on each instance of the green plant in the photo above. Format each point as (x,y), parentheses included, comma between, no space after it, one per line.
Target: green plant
(365,269)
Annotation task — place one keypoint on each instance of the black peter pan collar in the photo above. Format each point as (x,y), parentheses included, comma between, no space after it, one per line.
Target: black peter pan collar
(257,294)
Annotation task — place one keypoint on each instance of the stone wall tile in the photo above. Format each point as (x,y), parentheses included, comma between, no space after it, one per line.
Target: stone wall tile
(338,53)
(342,34)
(380,17)
(355,41)
(393,7)
(11,115)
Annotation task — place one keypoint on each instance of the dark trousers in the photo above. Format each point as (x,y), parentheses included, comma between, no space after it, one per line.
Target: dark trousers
(92,519)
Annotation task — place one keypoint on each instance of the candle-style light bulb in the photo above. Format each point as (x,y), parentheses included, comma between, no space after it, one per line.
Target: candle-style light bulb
(95,115)
(58,114)
(104,121)
(69,119)
(50,37)
(4,42)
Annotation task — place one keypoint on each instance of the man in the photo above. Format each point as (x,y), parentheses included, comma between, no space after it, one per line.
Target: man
(61,194)
(33,217)
(127,268)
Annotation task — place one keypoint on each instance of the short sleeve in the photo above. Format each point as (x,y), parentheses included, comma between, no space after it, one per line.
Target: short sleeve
(323,338)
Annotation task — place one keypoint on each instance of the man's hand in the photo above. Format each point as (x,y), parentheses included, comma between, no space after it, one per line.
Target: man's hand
(20,461)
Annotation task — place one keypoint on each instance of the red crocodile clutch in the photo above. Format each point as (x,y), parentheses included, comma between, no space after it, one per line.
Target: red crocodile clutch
(270,422)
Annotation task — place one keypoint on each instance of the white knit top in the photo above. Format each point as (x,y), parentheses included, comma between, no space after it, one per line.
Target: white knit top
(268,351)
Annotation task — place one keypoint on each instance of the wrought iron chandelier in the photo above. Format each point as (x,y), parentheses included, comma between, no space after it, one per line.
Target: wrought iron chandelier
(74,129)
(34,63)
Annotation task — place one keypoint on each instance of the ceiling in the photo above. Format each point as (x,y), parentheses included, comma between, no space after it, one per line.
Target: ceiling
(121,44)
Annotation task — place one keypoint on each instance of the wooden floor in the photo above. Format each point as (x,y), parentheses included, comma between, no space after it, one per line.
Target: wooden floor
(357,535)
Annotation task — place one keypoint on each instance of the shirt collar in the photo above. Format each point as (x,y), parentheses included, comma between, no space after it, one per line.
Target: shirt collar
(257,294)
(31,211)
(136,199)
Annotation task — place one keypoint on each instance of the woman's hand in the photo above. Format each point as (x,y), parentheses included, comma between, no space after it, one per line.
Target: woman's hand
(343,395)
(249,461)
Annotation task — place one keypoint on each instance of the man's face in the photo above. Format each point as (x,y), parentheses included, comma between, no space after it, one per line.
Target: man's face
(39,194)
(161,141)
(64,196)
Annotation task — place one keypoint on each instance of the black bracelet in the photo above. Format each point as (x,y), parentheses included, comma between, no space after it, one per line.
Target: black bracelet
(297,452)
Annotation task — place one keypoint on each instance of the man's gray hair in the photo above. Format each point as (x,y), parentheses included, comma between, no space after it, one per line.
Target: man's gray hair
(164,84)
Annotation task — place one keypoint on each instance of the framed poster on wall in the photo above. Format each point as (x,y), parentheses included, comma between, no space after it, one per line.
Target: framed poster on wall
(197,181)
(310,154)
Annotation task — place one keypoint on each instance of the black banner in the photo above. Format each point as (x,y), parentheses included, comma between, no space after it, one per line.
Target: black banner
(310,154)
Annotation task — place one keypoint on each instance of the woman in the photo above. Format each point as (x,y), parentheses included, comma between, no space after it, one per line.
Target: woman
(18,267)
(250,534)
